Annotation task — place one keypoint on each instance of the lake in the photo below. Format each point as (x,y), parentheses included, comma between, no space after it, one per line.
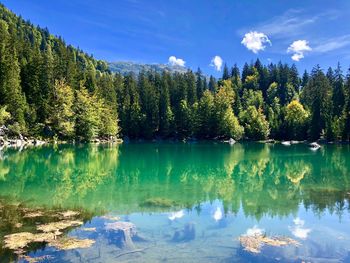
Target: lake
(179,202)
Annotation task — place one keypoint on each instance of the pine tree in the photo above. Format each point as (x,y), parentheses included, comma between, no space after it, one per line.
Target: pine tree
(304,79)
(205,116)
(166,116)
(14,98)
(293,78)
(199,83)
(10,89)
(191,87)
(46,83)
(338,92)
(330,75)
(149,99)
(225,74)
(212,84)
(317,96)
(235,76)
(346,110)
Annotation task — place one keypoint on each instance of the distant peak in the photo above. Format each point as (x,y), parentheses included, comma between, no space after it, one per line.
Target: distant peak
(124,67)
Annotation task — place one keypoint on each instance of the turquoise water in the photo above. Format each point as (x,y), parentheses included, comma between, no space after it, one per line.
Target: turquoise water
(188,202)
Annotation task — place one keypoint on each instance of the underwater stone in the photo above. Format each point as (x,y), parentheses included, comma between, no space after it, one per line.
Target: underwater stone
(122,234)
(254,243)
(188,233)
(67,243)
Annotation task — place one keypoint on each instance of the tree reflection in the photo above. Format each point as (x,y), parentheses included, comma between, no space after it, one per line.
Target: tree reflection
(260,179)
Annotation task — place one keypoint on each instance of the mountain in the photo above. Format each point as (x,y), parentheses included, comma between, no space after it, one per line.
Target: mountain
(126,67)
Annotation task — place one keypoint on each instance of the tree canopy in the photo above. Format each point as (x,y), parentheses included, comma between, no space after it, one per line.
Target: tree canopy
(49,88)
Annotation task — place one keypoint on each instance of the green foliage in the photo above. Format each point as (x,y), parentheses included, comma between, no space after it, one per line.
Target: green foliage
(108,120)
(61,116)
(317,97)
(10,84)
(255,123)
(252,98)
(184,120)
(272,92)
(87,113)
(275,119)
(4,115)
(227,124)
(338,125)
(252,81)
(296,120)
(338,97)
(93,116)
(149,98)
(179,104)
(205,116)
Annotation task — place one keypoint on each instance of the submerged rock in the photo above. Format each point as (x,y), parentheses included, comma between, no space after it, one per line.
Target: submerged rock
(69,213)
(89,229)
(122,233)
(66,243)
(57,226)
(254,243)
(110,217)
(124,226)
(21,240)
(188,233)
(36,259)
(33,214)
(158,202)
(34,229)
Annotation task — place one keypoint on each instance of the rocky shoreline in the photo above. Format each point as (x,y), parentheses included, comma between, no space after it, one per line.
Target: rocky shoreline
(19,141)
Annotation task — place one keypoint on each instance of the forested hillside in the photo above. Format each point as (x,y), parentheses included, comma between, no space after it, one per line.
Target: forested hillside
(126,67)
(49,88)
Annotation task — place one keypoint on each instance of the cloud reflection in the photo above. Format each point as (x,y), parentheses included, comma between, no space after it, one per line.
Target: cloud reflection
(176,215)
(255,231)
(298,229)
(218,214)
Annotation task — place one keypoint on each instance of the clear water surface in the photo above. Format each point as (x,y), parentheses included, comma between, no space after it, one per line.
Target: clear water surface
(190,202)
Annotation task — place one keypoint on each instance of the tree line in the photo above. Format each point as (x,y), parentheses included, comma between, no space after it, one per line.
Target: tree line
(49,88)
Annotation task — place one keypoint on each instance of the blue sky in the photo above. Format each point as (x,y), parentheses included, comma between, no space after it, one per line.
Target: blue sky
(193,33)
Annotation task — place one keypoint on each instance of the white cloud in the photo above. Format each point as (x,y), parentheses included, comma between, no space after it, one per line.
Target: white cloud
(216,62)
(176,61)
(298,48)
(332,44)
(292,23)
(298,229)
(175,215)
(255,41)
(288,24)
(255,231)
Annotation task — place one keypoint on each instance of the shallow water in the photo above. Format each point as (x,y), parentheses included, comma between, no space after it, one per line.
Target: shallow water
(189,202)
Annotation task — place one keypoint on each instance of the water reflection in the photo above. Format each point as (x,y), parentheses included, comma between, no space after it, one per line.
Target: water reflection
(188,197)
(262,179)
